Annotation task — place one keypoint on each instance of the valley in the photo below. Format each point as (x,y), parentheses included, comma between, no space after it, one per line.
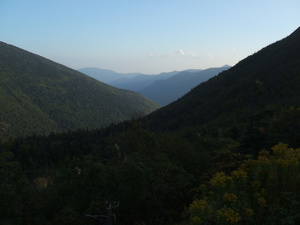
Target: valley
(226,151)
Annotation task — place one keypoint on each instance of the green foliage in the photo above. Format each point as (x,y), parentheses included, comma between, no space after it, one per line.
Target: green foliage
(74,173)
(262,191)
(153,175)
(286,126)
(13,189)
(38,96)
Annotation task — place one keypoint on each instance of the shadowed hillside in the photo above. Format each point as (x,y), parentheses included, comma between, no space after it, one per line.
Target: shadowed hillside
(40,96)
(270,77)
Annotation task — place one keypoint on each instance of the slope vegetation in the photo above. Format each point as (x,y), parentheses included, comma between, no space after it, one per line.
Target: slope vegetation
(268,79)
(40,96)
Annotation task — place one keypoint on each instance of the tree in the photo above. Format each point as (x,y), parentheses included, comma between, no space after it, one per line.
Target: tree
(262,191)
(13,189)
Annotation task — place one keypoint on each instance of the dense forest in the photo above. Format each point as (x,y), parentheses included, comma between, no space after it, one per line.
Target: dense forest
(225,153)
(161,178)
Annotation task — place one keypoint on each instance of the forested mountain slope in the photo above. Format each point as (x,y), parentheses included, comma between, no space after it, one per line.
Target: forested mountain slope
(40,96)
(265,81)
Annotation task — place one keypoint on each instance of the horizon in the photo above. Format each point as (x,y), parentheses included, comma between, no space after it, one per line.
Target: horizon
(226,65)
(146,37)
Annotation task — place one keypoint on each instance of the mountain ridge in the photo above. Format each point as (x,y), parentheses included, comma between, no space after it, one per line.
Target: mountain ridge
(41,96)
(163,88)
(276,67)
(105,75)
(168,90)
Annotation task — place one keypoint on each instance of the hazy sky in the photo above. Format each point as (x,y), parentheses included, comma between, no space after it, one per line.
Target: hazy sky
(148,36)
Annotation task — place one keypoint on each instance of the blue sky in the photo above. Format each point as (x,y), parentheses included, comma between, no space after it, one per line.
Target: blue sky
(146,36)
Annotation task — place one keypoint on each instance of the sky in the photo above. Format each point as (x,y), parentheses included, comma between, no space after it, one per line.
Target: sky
(146,36)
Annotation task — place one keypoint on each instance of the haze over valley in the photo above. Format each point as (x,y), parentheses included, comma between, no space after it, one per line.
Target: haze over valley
(162,88)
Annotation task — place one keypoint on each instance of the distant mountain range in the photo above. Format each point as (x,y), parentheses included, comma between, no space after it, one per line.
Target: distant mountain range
(169,90)
(163,88)
(106,76)
(141,81)
(129,81)
(38,96)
